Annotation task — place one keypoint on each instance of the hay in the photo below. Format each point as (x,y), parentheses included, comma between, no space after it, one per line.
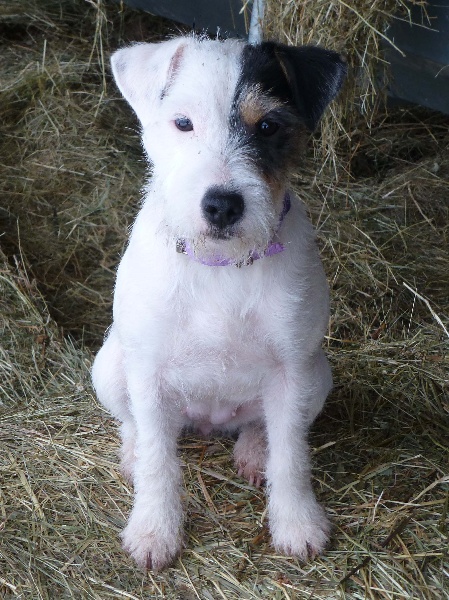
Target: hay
(360,31)
(71,168)
(71,182)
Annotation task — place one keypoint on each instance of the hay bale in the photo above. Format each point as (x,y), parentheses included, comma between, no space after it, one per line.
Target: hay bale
(360,31)
(71,168)
(71,162)
(50,463)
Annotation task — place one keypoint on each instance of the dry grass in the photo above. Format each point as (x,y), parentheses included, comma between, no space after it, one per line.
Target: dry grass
(359,31)
(71,168)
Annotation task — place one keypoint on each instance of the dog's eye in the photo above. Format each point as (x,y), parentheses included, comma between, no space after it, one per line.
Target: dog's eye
(184,124)
(267,127)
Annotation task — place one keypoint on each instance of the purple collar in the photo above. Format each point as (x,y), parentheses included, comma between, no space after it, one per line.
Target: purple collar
(184,247)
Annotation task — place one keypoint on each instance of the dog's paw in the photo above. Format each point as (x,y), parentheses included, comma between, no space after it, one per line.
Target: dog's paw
(149,549)
(304,536)
(250,455)
(253,472)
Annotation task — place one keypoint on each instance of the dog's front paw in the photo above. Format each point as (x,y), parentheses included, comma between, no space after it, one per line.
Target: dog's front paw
(151,548)
(304,534)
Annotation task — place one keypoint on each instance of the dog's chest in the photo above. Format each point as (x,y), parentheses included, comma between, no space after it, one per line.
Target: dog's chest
(217,358)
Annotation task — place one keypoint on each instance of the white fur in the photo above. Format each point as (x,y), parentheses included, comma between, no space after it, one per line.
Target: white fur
(221,348)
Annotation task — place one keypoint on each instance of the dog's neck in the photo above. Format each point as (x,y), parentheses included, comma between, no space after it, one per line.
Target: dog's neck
(184,247)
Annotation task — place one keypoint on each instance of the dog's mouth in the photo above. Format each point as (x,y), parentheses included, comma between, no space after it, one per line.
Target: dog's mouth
(216,233)
(222,247)
(216,258)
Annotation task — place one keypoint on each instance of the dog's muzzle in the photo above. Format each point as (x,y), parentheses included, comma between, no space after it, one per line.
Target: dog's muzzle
(183,246)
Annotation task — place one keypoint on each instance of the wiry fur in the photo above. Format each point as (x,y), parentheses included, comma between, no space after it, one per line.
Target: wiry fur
(216,348)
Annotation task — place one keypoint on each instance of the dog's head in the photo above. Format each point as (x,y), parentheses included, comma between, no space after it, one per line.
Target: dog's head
(223,123)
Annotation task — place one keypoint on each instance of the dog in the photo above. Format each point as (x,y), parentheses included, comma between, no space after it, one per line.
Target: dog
(221,301)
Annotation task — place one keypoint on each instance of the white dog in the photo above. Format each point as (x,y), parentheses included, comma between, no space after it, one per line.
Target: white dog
(221,301)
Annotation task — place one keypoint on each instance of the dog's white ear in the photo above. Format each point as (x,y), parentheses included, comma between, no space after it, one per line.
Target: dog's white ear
(143,73)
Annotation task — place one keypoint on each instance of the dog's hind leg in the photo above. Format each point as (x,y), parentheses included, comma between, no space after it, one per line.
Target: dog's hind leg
(250,453)
(109,380)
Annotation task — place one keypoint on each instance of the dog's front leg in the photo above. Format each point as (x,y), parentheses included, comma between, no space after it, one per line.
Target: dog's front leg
(154,532)
(298,524)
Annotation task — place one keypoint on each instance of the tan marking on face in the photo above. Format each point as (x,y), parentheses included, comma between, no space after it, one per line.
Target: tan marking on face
(255,105)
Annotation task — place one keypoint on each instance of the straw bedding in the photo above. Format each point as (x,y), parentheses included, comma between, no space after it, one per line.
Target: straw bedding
(377,188)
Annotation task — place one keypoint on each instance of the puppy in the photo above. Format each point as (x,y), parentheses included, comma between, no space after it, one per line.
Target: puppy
(221,302)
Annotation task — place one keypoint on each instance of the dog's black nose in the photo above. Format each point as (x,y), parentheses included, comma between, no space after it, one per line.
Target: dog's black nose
(222,207)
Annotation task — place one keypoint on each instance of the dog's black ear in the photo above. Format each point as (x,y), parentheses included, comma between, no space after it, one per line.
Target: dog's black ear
(315,76)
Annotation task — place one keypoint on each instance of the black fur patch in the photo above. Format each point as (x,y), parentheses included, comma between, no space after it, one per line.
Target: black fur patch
(308,77)
(315,76)
(295,84)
